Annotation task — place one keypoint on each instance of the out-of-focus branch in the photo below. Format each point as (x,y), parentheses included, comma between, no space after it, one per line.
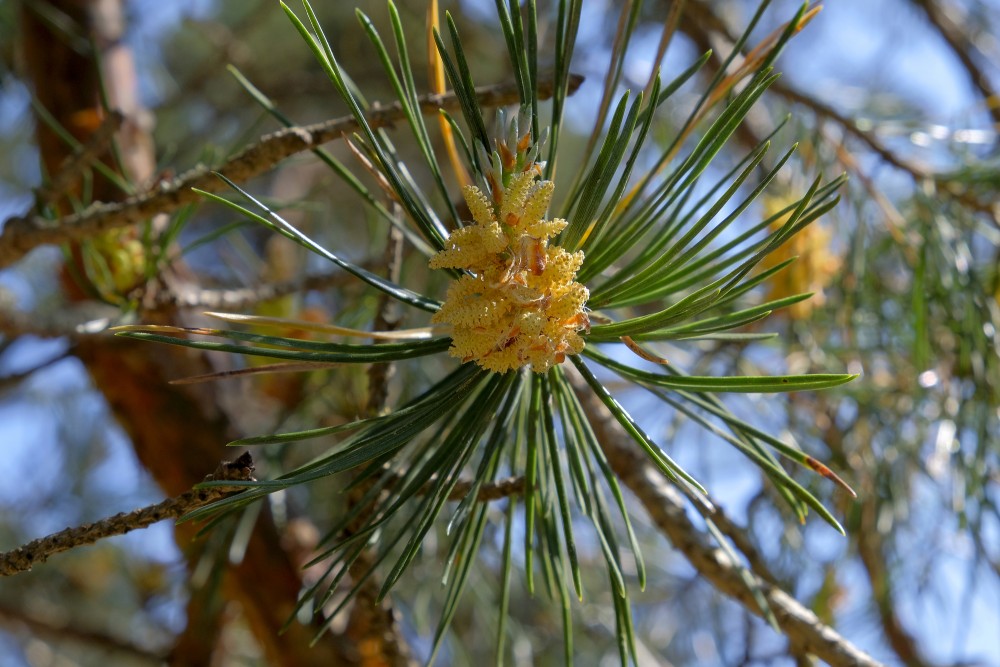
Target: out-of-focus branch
(665,505)
(918,172)
(38,551)
(871,553)
(70,321)
(373,624)
(47,627)
(848,125)
(959,39)
(239,298)
(82,158)
(21,235)
(706,28)
(869,539)
(501,488)
(12,380)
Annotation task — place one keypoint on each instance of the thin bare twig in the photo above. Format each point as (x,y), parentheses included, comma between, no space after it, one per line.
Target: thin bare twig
(703,19)
(71,320)
(918,172)
(387,318)
(21,235)
(496,490)
(240,298)
(742,542)
(963,42)
(489,491)
(826,111)
(12,380)
(63,631)
(38,551)
(82,158)
(375,622)
(665,505)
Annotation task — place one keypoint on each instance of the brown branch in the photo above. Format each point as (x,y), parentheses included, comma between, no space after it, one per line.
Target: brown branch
(501,488)
(496,490)
(826,111)
(21,235)
(961,40)
(82,158)
(869,540)
(239,298)
(702,23)
(374,623)
(871,551)
(63,631)
(70,320)
(38,551)
(919,173)
(665,505)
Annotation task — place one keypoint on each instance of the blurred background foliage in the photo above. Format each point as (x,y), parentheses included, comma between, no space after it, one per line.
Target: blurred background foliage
(899,94)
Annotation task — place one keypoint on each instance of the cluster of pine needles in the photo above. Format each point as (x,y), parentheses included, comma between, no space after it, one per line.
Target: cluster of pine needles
(554,285)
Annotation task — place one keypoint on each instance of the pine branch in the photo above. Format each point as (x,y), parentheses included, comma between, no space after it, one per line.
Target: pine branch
(665,505)
(38,551)
(21,235)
